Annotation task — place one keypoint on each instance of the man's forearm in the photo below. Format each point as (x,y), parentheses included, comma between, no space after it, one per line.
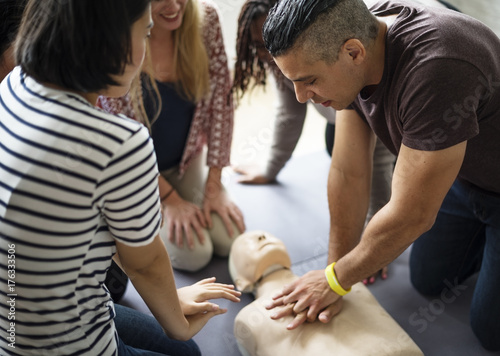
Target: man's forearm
(348,200)
(386,236)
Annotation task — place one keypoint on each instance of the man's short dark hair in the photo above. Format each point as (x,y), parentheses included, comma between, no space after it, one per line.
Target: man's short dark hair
(11,11)
(321,26)
(77,44)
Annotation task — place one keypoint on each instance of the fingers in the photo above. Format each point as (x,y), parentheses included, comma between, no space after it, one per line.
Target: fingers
(227,223)
(189,235)
(211,290)
(222,291)
(217,291)
(178,235)
(187,228)
(245,179)
(283,311)
(288,288)
(250,179)
(206,281)
(201,217)
(199,233)
(287,310)
(207,307)
(231,214)
(371,279)
(329,312)
(384,272)
(170,230)
(276,301)
(299,319)
(237,217)
(232,296)
(203,317)
(239,169)
(279,298)
(207,217)
(220,311)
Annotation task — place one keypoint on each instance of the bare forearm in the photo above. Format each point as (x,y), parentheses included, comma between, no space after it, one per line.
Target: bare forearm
(214,175)
(213,184)
(386,236)
(348,202)
(157,288)
(154,281)
(420,183)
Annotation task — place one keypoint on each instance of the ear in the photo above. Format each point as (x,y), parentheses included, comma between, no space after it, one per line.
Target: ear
(355,50)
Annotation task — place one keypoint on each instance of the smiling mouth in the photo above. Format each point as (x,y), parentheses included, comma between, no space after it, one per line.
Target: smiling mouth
(326,103)
(171,17)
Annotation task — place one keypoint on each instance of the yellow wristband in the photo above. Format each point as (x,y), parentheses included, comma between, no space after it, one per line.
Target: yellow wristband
(333,281)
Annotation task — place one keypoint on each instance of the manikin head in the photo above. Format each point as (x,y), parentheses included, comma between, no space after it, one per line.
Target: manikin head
(252,255)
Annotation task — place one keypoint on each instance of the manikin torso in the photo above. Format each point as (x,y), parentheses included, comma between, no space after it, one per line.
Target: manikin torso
(362,328)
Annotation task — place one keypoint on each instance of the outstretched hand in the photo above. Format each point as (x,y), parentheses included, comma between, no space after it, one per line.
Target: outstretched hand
(194,299)
(251,174)
(308,298)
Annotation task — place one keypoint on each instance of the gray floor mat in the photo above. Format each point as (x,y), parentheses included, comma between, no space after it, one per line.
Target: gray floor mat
(296,211)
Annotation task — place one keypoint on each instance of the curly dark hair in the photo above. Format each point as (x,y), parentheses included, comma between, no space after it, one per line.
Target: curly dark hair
(248,66)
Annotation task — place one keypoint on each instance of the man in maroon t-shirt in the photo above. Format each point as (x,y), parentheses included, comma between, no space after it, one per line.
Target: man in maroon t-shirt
(427,83)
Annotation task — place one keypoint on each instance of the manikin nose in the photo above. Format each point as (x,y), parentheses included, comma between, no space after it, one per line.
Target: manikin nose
(262,237)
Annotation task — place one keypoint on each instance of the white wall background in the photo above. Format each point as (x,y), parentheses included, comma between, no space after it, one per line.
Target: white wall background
(229,11)
(487,11)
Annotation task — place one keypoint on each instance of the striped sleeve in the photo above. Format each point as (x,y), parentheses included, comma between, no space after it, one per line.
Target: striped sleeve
(127,191)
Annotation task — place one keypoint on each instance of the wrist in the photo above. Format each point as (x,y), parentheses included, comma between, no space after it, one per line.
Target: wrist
(213,188)
(214,174)
(333,281)
(165,196)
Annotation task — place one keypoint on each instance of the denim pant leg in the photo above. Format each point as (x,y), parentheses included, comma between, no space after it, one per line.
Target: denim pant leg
(140,335)
(464,239)
(485,307)
(451,250)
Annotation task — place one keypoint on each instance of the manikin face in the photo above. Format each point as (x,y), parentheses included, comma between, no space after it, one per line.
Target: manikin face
(333,85)
(141,30)
(252,253)
(167,14)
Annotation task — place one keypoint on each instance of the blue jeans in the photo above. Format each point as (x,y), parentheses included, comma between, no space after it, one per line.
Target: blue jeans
(140,335)
(465,239)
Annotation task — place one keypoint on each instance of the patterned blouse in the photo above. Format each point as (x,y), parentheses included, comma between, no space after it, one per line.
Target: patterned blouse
(213,118)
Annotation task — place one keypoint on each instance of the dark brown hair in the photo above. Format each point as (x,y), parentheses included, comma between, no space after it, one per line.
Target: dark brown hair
(11,11)
(77,44)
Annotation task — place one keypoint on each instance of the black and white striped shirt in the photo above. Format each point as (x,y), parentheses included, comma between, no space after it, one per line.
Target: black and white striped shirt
(73,179)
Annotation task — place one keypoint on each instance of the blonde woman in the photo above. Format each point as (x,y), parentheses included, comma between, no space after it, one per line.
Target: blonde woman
(190,73)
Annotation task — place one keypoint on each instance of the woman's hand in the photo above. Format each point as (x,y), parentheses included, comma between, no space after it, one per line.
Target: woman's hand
(195,298)
(216,200)
(183,216)
(251,174)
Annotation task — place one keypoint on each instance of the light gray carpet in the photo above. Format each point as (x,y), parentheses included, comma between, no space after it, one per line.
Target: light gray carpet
(296,211)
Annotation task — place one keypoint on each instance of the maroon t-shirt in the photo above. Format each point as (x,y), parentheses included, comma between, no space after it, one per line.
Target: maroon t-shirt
(440,87)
